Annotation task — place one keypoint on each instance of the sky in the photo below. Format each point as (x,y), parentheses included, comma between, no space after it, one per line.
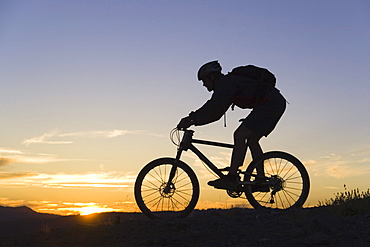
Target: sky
(90,91)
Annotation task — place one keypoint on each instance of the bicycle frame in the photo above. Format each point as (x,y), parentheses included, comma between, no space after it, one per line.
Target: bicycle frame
(187,143)
(168,184)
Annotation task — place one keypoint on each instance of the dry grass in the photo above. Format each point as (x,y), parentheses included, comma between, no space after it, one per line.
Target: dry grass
(46,228)
(351,202)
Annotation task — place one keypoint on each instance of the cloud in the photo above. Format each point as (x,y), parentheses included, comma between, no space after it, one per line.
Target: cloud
(81,208)
(29,158)
(332,187)
(5,161)
(336,166)
(360,152)
(55,137)
(9,151)
(16,175)
(70,208)
(91,180)
(11,203)
(45,139)
(97,134)
(20,157)
(9,156)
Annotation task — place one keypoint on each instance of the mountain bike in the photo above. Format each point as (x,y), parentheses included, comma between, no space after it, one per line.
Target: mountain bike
(169,188)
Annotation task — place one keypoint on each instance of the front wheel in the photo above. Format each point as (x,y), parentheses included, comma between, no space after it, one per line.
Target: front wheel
(176,202)
(285,183)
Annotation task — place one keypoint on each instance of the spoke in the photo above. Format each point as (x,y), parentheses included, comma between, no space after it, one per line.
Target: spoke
(150,182)
(278,172)
(289,193)
(182,179)
(277,199)
(158,171)
(291,167)
(165,173)
(297,171)
(174,199)
(294,182)
(179,175)
(298,177)
(185,191)
(155,192)
(275,166)
(159,178)
(264,203)
(289,183)
(287,199)
(292,188)
(183,185)
(150,189)
(185,199)
(286,163)
(272,169)
(156,203)
(154,199)
(150,186)
(162,172)
(263,195)
(171,203)
(161,202)
(174,202)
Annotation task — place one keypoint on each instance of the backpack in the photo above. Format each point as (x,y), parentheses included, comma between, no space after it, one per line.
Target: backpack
(262,76)
(265,81)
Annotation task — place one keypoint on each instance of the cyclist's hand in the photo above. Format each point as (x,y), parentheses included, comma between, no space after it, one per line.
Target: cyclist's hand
(184,123)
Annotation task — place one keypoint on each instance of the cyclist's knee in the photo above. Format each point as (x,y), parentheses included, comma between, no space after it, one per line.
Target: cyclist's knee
(242,133)
(254,138)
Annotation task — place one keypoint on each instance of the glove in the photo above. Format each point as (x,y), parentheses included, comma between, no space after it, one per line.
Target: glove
(185,123)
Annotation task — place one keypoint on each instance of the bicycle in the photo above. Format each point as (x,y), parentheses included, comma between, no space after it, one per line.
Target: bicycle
(169,188)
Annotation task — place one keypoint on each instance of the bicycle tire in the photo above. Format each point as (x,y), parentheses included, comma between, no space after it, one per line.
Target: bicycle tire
(292,182)
(150,195)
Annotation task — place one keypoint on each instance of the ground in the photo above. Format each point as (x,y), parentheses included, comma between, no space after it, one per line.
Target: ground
(232,227)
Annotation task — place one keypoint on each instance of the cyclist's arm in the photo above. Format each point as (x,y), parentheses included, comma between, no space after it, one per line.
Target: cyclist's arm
(214,108)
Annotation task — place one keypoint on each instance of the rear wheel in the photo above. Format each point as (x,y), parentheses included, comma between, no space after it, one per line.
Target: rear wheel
(285,183)
(152,198)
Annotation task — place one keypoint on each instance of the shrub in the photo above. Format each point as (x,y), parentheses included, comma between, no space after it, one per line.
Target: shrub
(349,202)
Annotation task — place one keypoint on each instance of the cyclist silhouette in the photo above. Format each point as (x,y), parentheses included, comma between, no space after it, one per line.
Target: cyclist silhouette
(245,92)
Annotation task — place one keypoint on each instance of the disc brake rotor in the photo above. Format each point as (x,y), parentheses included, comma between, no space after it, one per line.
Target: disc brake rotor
(167,194)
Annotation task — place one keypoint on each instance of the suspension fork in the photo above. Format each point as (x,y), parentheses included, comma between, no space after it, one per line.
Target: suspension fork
(173,170)
(184,145)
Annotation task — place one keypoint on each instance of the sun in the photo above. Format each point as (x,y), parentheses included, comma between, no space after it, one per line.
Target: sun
(93,210)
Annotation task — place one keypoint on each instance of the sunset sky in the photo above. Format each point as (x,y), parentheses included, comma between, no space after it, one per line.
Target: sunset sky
(90,91)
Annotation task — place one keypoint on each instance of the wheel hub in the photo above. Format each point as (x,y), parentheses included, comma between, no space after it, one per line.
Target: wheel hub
(165,191)
(278,183)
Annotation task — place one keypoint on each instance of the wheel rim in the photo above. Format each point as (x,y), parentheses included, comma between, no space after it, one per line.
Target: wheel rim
(286,185)
(172,201)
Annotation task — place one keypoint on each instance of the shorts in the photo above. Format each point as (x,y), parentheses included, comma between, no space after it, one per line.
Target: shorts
(264,118)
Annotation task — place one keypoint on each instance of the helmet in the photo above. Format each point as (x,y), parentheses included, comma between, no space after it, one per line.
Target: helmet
(208,68)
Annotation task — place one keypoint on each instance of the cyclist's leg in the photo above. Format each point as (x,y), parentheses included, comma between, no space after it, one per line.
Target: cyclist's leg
(260,122)
(239,151)
(241,134)
(256,150)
